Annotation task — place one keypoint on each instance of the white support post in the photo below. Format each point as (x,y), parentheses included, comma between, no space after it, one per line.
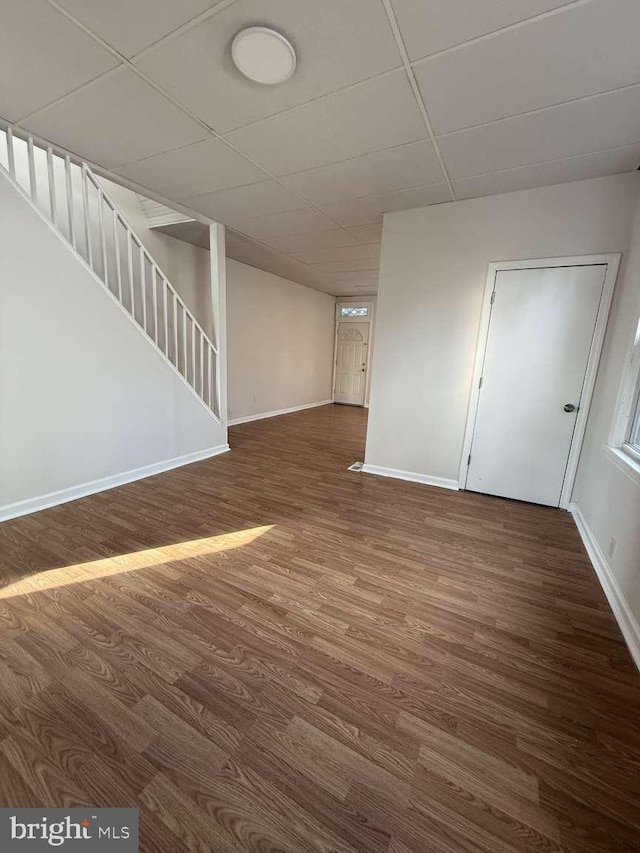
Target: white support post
(184,344)
(130,272)
(166,316)
(103,238)
(52,187)
(70,213)
(201,337)
(154,300)
(87,216)
(175,327)
(143,288)
(219,317)
(116,249)
(33,188)
(11,154)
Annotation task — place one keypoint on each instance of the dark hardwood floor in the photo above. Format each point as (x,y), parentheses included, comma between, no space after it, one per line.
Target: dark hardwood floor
(265,652)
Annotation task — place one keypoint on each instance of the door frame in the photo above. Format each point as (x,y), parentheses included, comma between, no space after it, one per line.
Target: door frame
(338,319)
(612,262)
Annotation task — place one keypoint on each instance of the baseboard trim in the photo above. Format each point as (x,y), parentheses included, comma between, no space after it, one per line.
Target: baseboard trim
(275,414)
(412,477)
(41,502)
(627,622)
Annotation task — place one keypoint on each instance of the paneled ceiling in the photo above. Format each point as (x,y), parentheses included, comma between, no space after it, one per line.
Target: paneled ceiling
(394,104)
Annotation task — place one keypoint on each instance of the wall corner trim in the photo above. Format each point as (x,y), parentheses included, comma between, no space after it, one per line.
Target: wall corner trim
(51,499)
(411,477)
(275,414)
(627,622)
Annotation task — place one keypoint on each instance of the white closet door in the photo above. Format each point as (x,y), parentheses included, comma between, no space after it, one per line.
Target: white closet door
(540,333)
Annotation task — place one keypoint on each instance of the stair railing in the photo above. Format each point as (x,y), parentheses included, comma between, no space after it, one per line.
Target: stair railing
(70,196)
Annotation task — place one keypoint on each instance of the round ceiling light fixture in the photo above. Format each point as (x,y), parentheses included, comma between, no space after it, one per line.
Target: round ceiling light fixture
(263,55)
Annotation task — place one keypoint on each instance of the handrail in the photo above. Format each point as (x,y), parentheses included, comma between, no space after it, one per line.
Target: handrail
(164,318)
(122,219)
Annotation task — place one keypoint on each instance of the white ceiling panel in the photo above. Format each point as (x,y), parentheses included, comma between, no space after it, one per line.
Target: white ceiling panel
(282,224)
(557,172)
(547,64)
(361,277)
(344,253)
(342,125)
(367,233)
(117,119)
(348,266)
(338,44)
(520,93)
(581,127)
(43,56)
(365,211)
(428,26)
(406,166)
(194,170)
(243,202)
(131,25)
(313,240)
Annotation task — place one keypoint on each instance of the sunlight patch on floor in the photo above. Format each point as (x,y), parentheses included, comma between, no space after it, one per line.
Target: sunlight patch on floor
(132,562)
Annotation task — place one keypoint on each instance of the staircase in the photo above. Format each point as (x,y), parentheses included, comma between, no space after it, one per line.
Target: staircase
(68,195)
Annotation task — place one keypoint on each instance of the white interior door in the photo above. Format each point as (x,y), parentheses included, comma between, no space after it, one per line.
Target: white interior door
(351,363)
(541,329)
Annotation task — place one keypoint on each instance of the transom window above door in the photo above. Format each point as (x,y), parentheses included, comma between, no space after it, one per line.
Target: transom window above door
(354,311)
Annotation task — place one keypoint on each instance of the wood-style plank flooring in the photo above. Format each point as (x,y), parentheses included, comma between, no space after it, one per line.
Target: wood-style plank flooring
(265,652)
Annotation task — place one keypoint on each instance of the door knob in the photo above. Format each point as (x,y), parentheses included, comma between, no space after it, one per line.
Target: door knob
(569,407)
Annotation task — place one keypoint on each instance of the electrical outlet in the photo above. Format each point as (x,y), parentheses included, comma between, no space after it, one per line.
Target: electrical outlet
(612,548)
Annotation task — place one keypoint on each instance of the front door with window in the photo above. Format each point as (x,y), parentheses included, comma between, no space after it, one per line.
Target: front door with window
(351,363)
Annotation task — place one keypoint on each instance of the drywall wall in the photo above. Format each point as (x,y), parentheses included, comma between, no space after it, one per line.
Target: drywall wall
(185,265)
(606,494)
(433,269)
(84,397)
(280,343)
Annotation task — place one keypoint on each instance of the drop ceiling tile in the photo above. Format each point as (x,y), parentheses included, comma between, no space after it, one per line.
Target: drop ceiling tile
(117,119)
(366,211)
(348,266)
(337,43)
(130,27)
(363,277)
(543,174)
(405,166)
(344,253)
(43,55)
(537,65)
(377,114)
(581,127)
(193,170)
(239,203)
(428,26)
(313,240)
(367,233)
(283,224)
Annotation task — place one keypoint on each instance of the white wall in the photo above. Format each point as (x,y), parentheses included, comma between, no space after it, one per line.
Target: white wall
(607,498)
(186,266)
(433,270)
(83,395)
(280,342)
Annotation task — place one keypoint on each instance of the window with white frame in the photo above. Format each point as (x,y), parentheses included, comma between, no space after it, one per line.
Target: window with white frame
(354,311)
(626,434)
